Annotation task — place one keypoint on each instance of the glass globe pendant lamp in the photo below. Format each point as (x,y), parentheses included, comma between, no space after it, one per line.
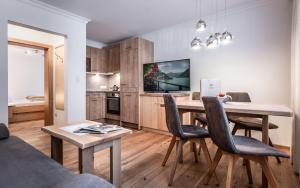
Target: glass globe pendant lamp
(201,26)
(212,42)
(226,38)
(196,43)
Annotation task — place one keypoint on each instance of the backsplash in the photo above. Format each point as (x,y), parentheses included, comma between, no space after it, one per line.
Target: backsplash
(101,82)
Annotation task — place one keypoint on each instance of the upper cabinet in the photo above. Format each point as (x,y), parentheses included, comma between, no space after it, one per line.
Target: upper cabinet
(104,60)
(113,58)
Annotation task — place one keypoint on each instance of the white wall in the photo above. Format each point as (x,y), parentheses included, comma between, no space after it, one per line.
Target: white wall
(258,61)
(39,15)
(25,73)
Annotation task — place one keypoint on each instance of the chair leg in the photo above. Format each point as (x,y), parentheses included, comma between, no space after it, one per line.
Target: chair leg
(271,144)
(249,174)
(208,158)
(268,172)
(232,160)
(171,146)
(235,128)
(195,152)
(178,154)
(250,135)
(199,149)
(181,155)
(214,165)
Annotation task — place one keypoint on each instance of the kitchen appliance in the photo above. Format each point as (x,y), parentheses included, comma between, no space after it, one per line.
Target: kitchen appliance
(167,76)
(115,88)
(113,103)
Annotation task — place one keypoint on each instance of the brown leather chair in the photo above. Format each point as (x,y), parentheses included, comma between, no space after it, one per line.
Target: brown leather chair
(182,134)
(248,124)
(235,146)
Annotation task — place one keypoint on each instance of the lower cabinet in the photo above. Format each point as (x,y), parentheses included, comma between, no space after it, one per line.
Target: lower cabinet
(95,106)
(129,107)
(153,114)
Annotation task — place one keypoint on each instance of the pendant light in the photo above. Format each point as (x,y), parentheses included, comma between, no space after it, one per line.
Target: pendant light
(201,25)
(196,43)
(212,42)
(226,36)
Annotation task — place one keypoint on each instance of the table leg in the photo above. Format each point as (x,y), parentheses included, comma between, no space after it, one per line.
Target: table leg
(57,149)
(181,120)
(265,139)
(115,163)
(86,160)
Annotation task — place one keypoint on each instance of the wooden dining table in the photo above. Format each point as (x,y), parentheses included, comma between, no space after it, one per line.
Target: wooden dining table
(242,109)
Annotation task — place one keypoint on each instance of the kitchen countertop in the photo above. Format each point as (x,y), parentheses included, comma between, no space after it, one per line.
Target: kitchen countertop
(101,91)
(161,94)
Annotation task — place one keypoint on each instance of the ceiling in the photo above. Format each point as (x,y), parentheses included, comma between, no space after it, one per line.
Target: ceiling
(113,20)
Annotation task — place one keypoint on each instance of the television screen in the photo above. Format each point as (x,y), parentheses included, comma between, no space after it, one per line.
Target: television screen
(167,76)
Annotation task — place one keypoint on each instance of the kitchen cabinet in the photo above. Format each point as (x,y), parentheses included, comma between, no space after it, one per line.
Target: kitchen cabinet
(96,106)
(134,53)
(113,58)
(153,115)
(129,69)
(96,60)
(129,107)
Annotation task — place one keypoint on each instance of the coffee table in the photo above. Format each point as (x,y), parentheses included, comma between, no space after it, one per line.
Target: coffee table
(87,145)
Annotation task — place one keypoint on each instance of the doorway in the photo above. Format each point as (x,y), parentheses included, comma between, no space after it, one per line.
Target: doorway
(35,66)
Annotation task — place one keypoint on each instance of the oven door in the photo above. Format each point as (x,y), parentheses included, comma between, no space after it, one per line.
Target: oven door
(113,105)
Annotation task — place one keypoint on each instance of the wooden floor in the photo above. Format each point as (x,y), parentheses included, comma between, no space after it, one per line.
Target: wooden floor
(142,154)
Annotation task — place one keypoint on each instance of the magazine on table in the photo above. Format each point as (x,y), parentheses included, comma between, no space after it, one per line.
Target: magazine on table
(98,129)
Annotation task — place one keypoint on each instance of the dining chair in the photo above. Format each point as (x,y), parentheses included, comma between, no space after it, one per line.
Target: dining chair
(247,123)
(235,146)
(182,134)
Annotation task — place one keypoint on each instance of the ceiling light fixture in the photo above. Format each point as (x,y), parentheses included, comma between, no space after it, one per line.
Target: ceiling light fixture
(214,40)
(201,25)
(226,36)
(196,43)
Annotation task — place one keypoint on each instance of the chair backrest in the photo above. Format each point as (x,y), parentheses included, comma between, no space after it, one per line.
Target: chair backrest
(172,116)
(239,96)
(218,124)
(196,96)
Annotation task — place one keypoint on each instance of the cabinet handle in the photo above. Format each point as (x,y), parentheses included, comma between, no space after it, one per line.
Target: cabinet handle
(128,95)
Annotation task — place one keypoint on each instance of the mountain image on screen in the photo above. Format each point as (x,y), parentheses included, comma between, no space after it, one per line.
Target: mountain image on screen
(167,76)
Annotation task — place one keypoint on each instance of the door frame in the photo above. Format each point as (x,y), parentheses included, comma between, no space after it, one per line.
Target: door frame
(48,73)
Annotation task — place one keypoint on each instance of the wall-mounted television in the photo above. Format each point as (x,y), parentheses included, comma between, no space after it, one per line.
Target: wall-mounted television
(168,76)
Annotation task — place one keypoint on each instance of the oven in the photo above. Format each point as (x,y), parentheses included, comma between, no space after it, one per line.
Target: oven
(113,103)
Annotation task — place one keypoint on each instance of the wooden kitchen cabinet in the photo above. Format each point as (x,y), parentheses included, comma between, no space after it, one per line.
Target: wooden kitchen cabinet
(102,60)
(129,107)
(96,60)
(96,107)
(153,115)
(133,54)
(113,58)
(129,69)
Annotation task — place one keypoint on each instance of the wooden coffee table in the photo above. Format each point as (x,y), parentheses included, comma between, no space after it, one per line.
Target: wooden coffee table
(89,144)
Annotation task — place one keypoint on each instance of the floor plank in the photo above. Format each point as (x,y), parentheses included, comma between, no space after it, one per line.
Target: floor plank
(142,155)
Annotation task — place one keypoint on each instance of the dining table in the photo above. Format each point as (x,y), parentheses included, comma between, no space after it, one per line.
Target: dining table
(242,109)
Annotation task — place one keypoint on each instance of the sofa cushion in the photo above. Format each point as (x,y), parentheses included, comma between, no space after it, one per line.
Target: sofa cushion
(84,180)
(25,167)
(4,132)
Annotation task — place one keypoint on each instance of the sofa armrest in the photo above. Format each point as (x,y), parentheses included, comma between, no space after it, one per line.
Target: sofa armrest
(84,181)
(4,132)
